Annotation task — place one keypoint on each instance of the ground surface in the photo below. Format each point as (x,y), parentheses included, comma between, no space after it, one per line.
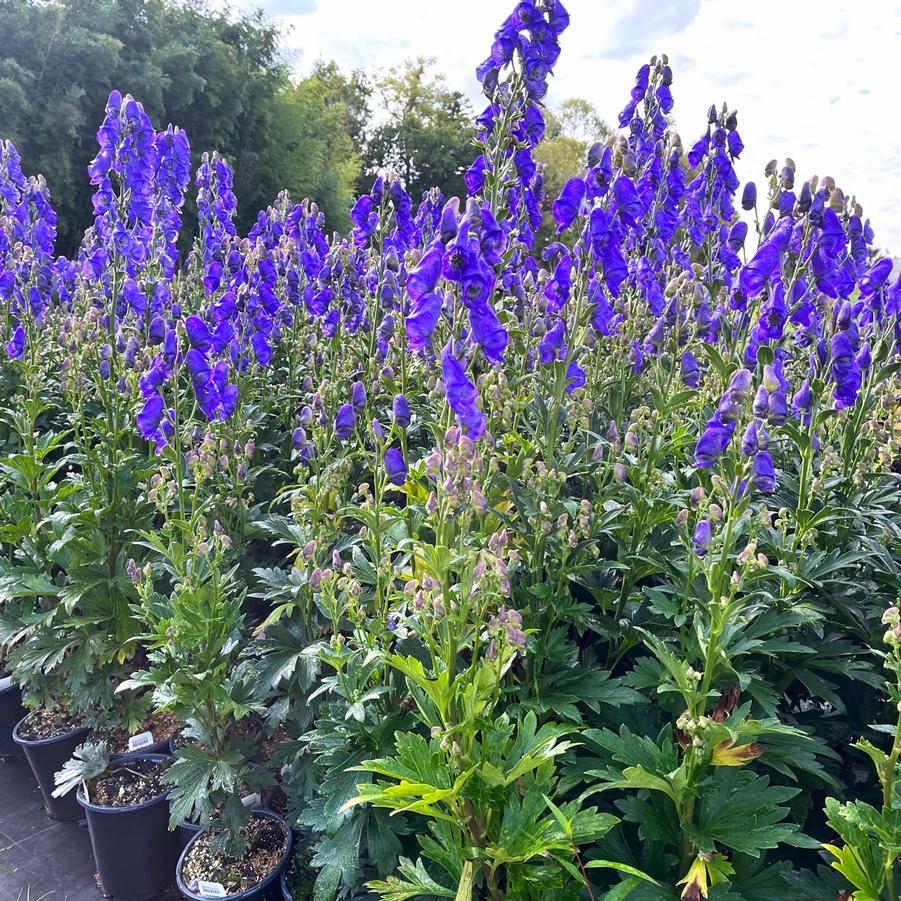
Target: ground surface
(39,857)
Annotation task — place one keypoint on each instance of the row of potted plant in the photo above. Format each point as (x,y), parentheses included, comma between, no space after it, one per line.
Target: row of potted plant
(469,567)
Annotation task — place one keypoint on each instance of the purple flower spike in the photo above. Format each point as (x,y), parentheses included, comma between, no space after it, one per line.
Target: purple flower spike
(395,466)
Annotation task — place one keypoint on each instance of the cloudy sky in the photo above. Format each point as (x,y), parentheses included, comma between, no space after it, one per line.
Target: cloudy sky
(817,80)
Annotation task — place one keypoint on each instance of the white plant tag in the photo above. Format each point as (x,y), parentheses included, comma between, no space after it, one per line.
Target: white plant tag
(251,801)
(141,740)
(6,682)
(211,889)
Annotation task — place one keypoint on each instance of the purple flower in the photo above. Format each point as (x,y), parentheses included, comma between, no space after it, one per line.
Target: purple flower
(691,373)
(749,196)
(400,409)
(702,538)
(844,370)
(198,334)
(628,203)
(636,356)
(763,473)
(761,405)
(358,396)
(552,347)
(151,415)
(395,466)
(566,206)
(261,347)
(740,385)
(801,402)
(713,442)
(759,268)
(15,347)
(345,422)
(875,277)
(749,441)
(488,332)
(423,278)
(777,412)
(421,322)
(575,377)
(461,396)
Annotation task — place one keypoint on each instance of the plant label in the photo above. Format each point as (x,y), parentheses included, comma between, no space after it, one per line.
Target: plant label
(211,889)
(6,682)
(251,801)
(141,740)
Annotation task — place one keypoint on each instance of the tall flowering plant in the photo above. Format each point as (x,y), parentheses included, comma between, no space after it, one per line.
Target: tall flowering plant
(508,568)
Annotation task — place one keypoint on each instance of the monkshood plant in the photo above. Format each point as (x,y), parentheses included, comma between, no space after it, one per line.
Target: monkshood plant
(530,556)
(871,834)
(481,778)
(36,451)
(191,613)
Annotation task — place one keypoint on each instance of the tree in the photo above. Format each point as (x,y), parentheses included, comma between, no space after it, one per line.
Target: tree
(314,141)
(427,133)
(215,75)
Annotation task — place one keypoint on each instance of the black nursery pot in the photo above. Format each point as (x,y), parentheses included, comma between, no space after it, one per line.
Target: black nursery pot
(133,847)
(267,890)
(11,711)
(46,756)
(186,831)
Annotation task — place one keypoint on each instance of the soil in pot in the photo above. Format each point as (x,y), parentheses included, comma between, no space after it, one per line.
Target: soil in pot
(128,784)
(267,842)
(161,725)
(270,744)
(48,739)
(47,722)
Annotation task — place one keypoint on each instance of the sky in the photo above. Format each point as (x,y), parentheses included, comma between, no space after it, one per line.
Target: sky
(815,80)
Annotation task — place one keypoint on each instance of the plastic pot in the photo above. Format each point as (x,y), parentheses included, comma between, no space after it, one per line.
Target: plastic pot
(269,888)
(186,831)
(11,711)
(46,756)
(133,847)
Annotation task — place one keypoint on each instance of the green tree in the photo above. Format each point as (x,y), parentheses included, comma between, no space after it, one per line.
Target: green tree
(215,75)
(313,144)
(426,135)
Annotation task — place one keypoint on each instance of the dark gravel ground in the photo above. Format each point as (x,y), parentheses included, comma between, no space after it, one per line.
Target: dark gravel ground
(40,858)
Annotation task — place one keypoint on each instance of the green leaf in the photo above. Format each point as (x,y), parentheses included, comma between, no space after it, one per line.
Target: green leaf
(88,761)
(337,858)
(416,883)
